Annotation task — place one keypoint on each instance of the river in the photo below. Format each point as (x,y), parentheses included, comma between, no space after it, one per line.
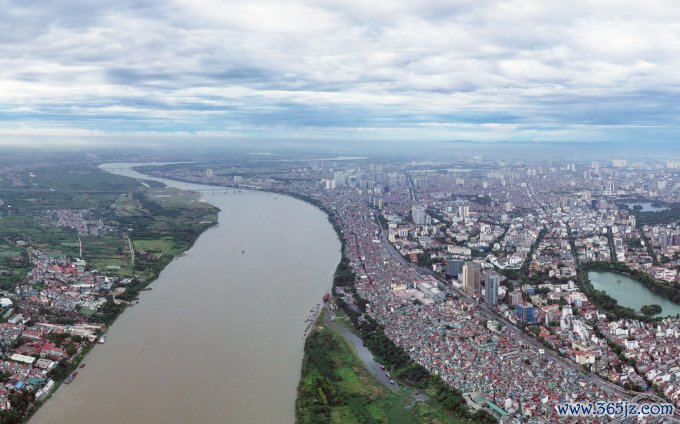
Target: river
(631,293)
(220,337)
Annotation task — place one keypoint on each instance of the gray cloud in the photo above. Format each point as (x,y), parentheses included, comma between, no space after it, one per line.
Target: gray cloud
(431,69)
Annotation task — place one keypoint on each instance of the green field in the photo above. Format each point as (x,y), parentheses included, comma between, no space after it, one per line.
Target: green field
(336,388)
(109,254)
(25,227)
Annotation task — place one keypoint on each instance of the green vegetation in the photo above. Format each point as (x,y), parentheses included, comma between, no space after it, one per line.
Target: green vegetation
(650,310)
(524,269)
(74,186)
(160,222)
(315,405)
(602,299)
(109,254)
(599,297)
(336,388)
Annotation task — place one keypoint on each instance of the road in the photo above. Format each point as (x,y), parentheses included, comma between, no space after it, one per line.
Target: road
(132,251)
(362,351)
(489,313)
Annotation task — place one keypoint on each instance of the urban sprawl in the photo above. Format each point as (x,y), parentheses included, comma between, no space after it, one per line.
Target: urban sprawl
(481,271)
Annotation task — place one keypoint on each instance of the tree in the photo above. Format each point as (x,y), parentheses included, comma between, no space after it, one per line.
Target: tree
(71,349)
(650,310)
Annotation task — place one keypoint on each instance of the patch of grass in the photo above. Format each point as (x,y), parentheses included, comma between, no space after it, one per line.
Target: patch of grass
(27,228)
(337,388)
(158,247)
(109,253)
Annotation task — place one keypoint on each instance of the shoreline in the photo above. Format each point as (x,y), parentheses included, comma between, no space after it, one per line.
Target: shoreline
(659,316)
(635,275)
(144,286)
(320,309)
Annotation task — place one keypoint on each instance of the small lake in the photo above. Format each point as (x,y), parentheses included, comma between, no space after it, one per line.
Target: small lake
(630,293)
(646,206)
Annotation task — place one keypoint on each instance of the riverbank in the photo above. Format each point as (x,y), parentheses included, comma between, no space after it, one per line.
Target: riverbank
(205,313)
(68,242)
(428,399)
(395,359)
(337,387)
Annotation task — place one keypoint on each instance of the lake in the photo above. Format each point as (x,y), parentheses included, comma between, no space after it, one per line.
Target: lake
(646,206)
(630,292)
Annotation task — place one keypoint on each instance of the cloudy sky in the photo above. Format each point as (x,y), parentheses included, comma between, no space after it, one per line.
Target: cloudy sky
(319,69)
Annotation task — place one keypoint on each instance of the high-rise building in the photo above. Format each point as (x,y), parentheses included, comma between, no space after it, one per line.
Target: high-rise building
(472,279)
(454,267)
(515,298)
(464,211)
(339,178)
(418,213)
(491,283)
(525,313)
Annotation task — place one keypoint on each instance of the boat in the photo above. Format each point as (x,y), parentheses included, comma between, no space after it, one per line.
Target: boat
(326,298)
(82,366)
(619,281)
(102,339)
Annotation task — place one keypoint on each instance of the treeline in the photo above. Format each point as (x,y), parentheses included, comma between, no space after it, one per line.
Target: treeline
(373,336)
(180,223)
(600,298)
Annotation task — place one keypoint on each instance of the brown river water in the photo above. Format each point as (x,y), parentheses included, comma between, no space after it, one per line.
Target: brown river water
(219,339)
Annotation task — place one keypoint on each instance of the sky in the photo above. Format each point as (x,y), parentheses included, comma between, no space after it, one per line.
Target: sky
(78,71)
